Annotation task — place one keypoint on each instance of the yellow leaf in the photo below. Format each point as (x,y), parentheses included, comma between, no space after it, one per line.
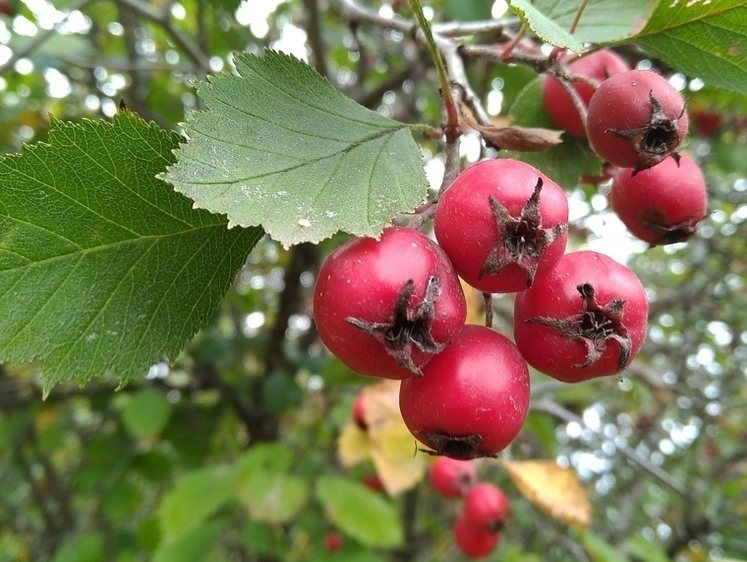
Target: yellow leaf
(353,445)
(475,304)
(392,446)
(555,490)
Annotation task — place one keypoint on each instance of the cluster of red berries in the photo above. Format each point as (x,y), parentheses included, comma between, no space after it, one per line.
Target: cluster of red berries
(395,307)
(484,511)
(635,121)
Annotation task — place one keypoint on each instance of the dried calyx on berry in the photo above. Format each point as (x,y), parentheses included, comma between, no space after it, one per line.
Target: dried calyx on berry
(407,326)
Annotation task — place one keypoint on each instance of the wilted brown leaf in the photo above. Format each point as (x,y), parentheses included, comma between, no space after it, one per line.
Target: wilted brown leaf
(555,490)
(524,139)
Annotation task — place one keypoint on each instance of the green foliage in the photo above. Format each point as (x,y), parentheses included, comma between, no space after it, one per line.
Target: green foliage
(280,148)
(146,413)
(103,267)
(552,20)
(703,39)
(359,512)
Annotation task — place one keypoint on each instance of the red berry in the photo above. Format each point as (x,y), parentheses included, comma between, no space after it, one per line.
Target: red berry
(636,119)
(333,541)
(386,307)
(597,66)
(587,318)
(502,222)
(373,482)
(473,397)
(486,507)
(473,541)
(663,204)
(451,477)
(6,8)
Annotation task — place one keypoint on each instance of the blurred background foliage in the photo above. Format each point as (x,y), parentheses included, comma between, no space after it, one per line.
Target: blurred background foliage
(230,452)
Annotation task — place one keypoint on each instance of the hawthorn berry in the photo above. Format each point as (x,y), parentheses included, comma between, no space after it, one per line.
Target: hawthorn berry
(597,66)
(472,399)
(385,307)
(663,204)
(636,119)
(473,541)
(358,412)
(486,507)
(586,318)
(502,222)
(451,478)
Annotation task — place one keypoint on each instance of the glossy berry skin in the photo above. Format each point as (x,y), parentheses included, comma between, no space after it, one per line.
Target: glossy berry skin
(472,541)
(587,318)
(472,399)
(486,507)
(636,119)
(451,478)
(363,312)
(499,230)
(663,204)
(597,66)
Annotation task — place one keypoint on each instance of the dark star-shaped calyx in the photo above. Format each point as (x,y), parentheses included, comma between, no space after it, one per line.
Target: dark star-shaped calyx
(407,325)
(521,240)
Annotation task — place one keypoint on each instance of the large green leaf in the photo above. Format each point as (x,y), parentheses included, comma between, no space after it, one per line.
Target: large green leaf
(281,148)
(703,39)
(102,266)
(360,512)
(552,19)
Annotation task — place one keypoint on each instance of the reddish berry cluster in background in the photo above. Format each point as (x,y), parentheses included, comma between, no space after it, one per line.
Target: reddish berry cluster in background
(485,509)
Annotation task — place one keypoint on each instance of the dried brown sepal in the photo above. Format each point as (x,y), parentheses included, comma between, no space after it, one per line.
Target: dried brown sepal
(522,239)
(668,233)
(656,140)
(595,327)
(460,447)
(523,139)
(407,326)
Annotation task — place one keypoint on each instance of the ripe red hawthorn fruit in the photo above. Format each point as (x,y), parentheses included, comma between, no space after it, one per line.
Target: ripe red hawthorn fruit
(386,307)
(486,507)
(587,318)
(597,66)
(472,541)
(663,204)
(6,8)
(636,119)
(451,478)
(472,399)
(502,222)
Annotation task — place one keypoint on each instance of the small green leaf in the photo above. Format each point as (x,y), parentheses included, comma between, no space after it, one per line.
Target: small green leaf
(194,498)
(88,547)
(645,550)
(146,413)
(600,550)
(544,26)
(703,39)
(564,163)
(273,457)
(359,512)
(271,497)
(102,266)
(281,148)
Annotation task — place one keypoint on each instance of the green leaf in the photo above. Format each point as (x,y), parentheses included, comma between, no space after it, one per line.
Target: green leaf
(273,457)
(703,39)
(281,148)
(544,26)
(564,163)
(645,550)
(102,266)
(194,498)
(192,547)
(88,547)
(600,550)
(271,497)
(146,413)
(359,512)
